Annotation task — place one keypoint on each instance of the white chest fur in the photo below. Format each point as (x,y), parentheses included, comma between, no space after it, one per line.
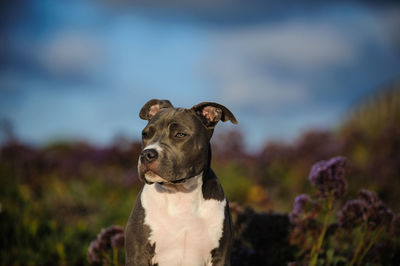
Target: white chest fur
(184,226)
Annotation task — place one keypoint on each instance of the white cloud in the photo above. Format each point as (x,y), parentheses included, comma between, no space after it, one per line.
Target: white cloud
(240,86)
(273,64)
(287,62)
(70,51)
(300,44)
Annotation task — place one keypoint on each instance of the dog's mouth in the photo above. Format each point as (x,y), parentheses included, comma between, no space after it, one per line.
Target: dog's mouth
(151,177)
(149,173)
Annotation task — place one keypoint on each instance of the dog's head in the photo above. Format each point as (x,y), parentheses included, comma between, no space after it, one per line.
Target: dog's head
(175,142)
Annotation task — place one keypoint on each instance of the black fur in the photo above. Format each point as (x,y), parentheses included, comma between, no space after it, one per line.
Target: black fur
(184,136)
(138,249)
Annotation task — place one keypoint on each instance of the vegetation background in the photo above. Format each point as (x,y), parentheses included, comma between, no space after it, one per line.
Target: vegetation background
(307,80)
(54,200)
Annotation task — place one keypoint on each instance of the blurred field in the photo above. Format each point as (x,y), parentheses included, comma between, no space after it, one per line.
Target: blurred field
(54,200)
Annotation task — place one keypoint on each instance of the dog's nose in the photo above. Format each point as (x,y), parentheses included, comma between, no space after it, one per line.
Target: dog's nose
(148,156)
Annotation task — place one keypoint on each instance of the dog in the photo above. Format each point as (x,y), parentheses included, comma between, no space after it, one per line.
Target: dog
(181,215)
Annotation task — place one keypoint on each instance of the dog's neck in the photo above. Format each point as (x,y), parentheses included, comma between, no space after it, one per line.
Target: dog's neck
(187,186)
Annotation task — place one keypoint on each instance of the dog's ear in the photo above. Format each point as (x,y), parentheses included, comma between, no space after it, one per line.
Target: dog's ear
(210,113)
(152,107)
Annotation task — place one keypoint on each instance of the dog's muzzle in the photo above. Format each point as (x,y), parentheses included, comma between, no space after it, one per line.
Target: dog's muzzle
(148,156)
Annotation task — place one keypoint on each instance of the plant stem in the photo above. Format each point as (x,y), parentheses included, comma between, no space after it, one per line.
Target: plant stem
(107,259)
(370,244)
(365,233)
(317,246)
(115,256)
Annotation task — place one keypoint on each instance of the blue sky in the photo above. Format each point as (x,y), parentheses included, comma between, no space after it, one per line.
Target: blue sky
(83,69)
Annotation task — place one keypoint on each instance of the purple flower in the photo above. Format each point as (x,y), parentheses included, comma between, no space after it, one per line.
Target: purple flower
(368,196)
(105,236)
(312,225)
(235,208)
(111,237)
(377,213)
(118,240)
(352,214)
(300,204)
(330,177)
(94,253)
(395,227)
(303,229)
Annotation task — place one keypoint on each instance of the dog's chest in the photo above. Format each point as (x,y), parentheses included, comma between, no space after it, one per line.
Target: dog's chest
(184,226)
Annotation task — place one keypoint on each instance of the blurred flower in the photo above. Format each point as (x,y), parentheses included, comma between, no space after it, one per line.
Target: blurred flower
(111,237)
(105,236)
(368,196)
(395,226)
(313,226)
(379,216)
(329,177)
(303,229)
(377,213)
(300,204)
(118,240)
(352,214)
(235,208)
(94,253)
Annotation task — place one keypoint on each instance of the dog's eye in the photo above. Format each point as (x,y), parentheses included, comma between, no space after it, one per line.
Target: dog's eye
(180,135)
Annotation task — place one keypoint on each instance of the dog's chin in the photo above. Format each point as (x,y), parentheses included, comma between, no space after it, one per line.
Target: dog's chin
(150,177)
